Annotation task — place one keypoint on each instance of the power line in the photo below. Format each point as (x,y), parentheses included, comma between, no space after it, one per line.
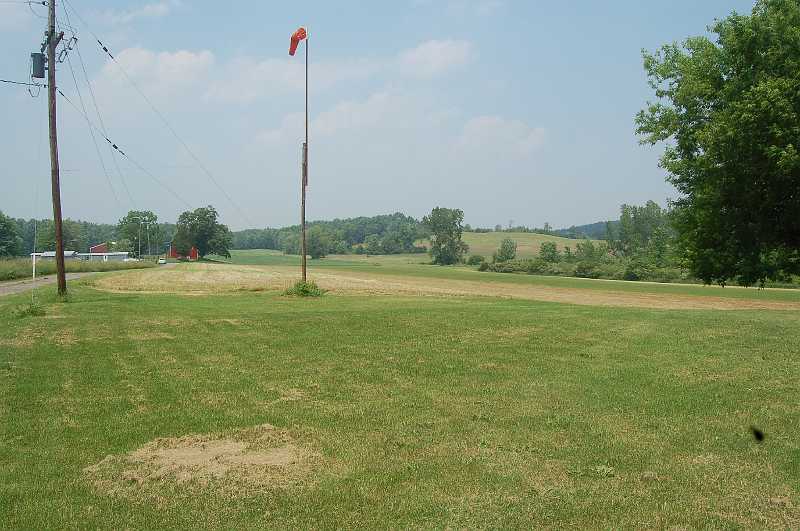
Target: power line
(161,116)
(124,154)
(91,133)
(100,119)
(22,83)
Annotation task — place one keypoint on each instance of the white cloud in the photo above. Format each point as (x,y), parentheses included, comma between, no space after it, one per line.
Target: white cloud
(162,76)
(289,130)
(357,115)
(380,109)
(246,79)
(435,57)
(152,10)
(497,135)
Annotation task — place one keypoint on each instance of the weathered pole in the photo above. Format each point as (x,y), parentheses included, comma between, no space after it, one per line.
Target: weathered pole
(52,41)
(304,179)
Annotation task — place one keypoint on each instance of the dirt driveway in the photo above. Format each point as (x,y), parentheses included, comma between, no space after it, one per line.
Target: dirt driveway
(18,286)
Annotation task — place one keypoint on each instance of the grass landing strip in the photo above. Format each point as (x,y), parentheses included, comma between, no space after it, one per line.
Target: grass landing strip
(249,409)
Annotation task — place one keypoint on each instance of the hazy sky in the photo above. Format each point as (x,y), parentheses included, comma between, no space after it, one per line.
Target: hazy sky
(506,109)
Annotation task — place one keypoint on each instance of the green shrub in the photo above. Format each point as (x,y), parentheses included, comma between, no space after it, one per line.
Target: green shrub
(611,270)
(511,266)
(507,251)
(304,289)
(32,309)
(475,259)
(586,269)
(484,266)
(548,251)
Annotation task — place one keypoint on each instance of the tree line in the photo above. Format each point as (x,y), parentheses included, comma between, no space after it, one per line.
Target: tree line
(20,237)
(384,234)
(641,245)
(138,232)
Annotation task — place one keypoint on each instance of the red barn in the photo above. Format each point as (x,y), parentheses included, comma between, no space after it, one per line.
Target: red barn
(173,253)
(99,248)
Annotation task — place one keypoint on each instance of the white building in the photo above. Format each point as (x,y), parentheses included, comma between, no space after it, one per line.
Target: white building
(119,256)
(51,255)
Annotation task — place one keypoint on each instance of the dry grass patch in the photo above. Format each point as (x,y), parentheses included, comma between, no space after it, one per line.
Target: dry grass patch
(199,279)
(252,459)
(149,336)
(192,279)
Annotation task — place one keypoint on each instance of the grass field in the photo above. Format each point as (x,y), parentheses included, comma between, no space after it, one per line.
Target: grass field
(136,405)
(413,267)
(528,244)
(18,268)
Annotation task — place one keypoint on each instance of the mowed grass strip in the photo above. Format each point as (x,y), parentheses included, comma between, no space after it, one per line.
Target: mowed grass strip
(411,266)
(424,412)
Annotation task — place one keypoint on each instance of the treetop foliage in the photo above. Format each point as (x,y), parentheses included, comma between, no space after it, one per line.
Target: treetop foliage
(507,251)
(199,228)
(10,241)
(445,226)
(729,112)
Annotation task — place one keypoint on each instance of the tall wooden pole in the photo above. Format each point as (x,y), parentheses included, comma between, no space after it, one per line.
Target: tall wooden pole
(304,178)
(54,176)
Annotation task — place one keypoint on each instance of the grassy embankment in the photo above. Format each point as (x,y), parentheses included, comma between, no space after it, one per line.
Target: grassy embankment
(396,411)
(20,268)
(528,244)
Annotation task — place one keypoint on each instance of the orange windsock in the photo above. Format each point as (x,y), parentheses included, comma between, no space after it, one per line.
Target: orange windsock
(297,36)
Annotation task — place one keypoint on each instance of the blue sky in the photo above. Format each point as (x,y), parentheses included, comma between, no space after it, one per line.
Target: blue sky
(509,110)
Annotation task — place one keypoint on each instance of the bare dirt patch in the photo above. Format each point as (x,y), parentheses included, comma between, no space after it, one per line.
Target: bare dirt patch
(199,279)
(261,457)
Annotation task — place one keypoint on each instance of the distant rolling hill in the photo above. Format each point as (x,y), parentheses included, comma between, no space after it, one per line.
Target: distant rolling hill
(593,231)
(528,243)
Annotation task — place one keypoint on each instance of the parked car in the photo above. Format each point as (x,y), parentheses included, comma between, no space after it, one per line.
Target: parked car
(162,261)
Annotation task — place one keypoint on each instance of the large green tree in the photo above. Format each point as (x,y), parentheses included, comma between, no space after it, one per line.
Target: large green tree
(142,223)
(637,226)
(10,241)
(71,232)
(729,113)
(507,251)
(318,242)
(445,226)
(200,228)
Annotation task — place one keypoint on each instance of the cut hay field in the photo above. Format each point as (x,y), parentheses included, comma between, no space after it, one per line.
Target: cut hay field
(528,244)
(198,396)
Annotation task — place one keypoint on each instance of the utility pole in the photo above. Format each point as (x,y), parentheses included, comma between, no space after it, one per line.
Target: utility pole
(147,230)
(52,42)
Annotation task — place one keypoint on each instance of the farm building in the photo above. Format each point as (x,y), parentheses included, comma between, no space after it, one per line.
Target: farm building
(99,248)
(51,255)
(119,256)
(173,253)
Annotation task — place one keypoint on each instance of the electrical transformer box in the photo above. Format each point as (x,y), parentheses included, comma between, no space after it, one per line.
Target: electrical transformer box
(37,65)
